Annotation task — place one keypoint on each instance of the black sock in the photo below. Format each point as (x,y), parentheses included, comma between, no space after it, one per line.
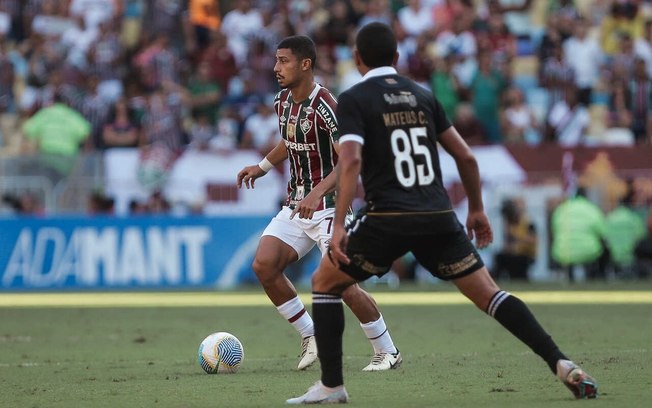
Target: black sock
(328,315)
(515,316)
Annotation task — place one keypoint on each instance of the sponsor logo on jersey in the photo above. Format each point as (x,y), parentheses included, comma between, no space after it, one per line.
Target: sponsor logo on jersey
(309,110)
(300,147)
(282,119)
(292,131)
(305,124)
(391,81)
(285,104)
(401,98)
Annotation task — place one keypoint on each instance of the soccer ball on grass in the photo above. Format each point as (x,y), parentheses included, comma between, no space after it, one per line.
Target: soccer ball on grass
(220,352)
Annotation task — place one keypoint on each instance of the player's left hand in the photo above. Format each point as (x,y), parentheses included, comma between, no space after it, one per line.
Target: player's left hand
(337,248)
(306,208)
(248,176)
(477,224)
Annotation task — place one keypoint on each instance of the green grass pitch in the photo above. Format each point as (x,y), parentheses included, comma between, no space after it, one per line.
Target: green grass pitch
(139,350)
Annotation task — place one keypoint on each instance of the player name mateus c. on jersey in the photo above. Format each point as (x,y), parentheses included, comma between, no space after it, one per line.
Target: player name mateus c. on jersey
(403,118)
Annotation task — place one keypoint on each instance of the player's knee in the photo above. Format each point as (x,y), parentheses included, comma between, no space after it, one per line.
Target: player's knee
(321,283)
(266,271)
(353,294)
(325,281)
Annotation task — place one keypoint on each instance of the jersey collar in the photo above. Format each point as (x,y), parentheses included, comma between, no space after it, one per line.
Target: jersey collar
(312,95)
(380,71)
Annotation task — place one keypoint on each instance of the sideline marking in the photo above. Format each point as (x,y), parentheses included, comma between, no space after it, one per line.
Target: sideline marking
(211,299)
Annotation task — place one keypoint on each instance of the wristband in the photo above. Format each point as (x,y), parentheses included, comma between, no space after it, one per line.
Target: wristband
(265,165)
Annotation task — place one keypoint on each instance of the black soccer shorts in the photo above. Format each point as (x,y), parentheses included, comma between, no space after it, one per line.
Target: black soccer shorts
(437,240)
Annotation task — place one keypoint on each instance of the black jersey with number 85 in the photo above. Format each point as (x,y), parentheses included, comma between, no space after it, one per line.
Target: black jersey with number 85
(399,122)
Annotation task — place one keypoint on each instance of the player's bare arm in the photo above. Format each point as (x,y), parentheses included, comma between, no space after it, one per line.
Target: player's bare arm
(249,174)
(477,222)
(306,208)
(348,171)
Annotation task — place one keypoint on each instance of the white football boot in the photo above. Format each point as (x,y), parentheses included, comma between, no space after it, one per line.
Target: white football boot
(308,353)
(577,380)
(320,394)
(384,361)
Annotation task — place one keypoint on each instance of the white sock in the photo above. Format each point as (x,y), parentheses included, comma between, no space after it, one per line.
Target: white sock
(379,337)
(295,313)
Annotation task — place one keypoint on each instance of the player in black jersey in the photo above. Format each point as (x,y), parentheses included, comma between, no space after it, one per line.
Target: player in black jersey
(389,128)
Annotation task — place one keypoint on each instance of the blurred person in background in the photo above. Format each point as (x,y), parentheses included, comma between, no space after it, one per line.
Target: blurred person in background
(201,132)
(519,242)
(643,46)
(585,56)
(94,12)
(518,122)
(624,228)
(221,61)
(640,102)
(375,11)
(556,75)
(419,62)
(164,16)
(445,86)
(516,14)
(205,19)
(122,128)
(567,121)
(416,17)
(238,25)
(203,94)
(624,17)
(100,204)
(261,130)
(578,231)
(21,204)
(459,42)
(643,250)
(468,125)
(162,139)
(58,131)
(487,87)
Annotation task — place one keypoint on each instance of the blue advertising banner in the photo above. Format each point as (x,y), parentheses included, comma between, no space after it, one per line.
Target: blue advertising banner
(130,252)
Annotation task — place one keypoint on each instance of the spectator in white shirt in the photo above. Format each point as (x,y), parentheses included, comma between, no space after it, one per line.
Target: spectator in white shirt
(584,55)
(238,25)
(416,18)
(261,130)
(568,121)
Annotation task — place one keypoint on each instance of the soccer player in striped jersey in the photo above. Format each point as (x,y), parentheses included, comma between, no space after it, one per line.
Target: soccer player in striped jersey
(309,131)
(390,129)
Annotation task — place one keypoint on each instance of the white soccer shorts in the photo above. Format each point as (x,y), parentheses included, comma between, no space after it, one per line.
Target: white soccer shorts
(301,233)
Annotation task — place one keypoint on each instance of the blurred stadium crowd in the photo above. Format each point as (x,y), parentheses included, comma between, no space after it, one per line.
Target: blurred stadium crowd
(165,76)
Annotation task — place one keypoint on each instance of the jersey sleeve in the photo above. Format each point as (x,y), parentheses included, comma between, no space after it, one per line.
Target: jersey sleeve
(277,103)
(350,118)
(441,120)
(326,118)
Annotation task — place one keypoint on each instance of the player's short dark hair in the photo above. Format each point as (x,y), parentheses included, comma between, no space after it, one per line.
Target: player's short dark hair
(301,46)
(376,44)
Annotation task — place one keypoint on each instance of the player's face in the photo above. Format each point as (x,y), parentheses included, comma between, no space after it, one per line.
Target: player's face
(288,68)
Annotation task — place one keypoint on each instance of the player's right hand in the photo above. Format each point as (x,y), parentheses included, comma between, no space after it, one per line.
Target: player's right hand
(337,247)
(478,227)
(248,176)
